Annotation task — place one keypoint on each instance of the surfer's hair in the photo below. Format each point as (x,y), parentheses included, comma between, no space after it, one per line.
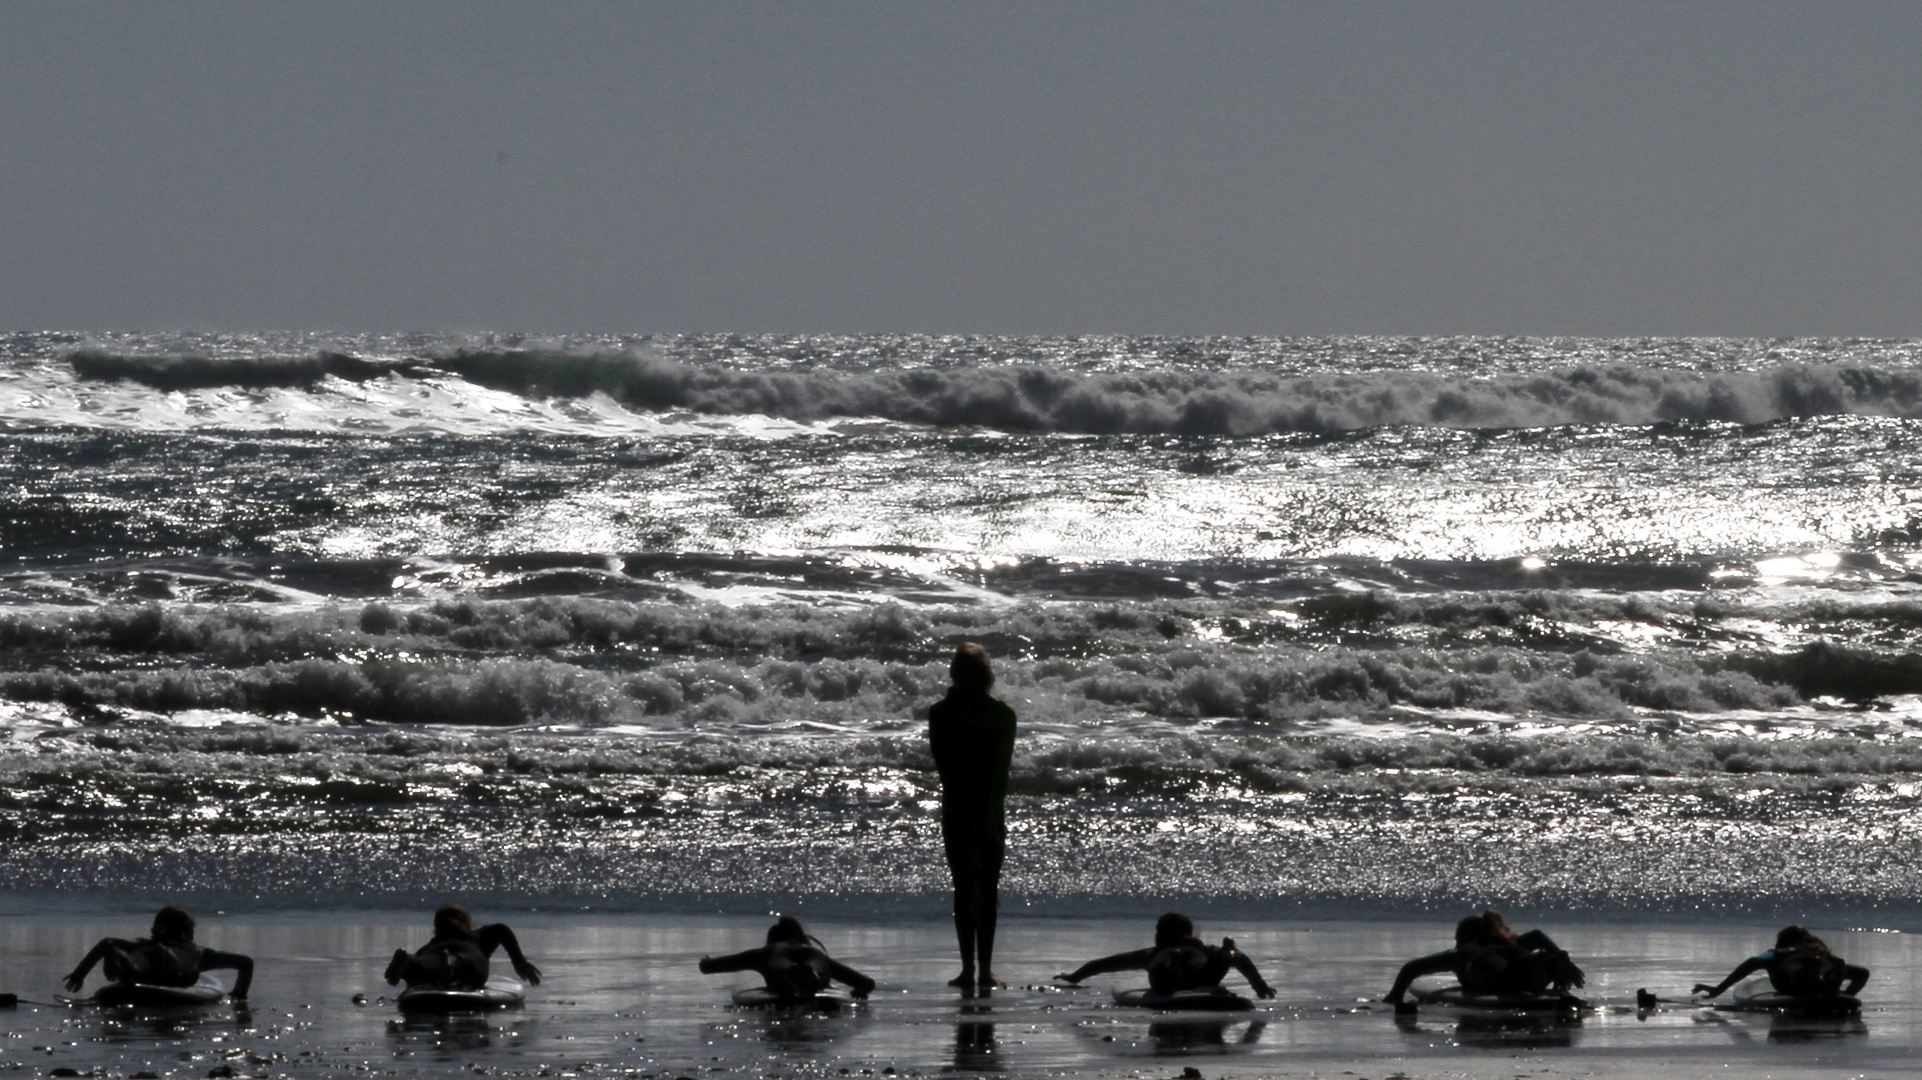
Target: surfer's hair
(172,924)
(1174,928)
(1482,928)
(970,669)
(788,930)
(451,919)
(1798,938)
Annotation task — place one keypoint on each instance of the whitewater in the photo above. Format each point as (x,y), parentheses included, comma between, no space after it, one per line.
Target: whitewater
(1308,626)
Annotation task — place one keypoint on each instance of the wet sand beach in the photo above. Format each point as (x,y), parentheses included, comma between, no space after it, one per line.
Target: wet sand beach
(622,998)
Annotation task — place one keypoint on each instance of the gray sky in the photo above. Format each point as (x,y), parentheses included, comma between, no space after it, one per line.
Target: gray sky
(1619,169)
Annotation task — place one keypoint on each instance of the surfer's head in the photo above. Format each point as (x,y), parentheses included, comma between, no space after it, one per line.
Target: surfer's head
(172,924)
(1798,937)
(1483,928)
(452,920)
(787,929)
(971,670)
(1174,928)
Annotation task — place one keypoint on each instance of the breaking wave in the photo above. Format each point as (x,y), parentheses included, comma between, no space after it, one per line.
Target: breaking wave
(1037,398)
(700,668)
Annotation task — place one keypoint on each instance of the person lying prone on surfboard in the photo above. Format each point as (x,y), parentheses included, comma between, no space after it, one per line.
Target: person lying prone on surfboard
(1800,965)
(457,958)
(1490,958)
(793,963)
(1178,961)
(166,957)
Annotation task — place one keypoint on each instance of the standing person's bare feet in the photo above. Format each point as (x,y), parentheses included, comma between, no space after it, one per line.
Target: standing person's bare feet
(988,984)
(964,981)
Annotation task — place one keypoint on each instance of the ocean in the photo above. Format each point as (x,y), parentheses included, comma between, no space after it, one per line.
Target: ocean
(1295,624)
(1616,632)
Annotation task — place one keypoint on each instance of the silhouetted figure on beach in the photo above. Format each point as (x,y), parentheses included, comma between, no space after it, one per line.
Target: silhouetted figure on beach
(793,964)
(1800,964)
(1490,958)
(971,735)
(457,957)
(1178,961)
(166,957)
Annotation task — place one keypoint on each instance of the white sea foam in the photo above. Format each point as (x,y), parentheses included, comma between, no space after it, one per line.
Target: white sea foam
(474,391)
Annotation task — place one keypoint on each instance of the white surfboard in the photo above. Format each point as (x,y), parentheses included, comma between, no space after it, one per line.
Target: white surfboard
(501,992)
(762,998)
(1454,997)
(1213,999)
(204,991)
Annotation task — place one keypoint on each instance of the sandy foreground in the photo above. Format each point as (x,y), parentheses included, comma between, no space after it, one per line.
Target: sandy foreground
(622,998)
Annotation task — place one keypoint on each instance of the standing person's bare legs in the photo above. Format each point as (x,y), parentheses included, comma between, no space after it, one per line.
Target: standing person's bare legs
(993,851)
(960,866)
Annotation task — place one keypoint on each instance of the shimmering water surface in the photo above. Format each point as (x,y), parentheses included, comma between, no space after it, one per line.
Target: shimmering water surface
(1312,626)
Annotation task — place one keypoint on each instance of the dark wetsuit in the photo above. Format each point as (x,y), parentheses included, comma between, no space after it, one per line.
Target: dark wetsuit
(1172,968)
(154,963)
(459,959)
(793,971)
(1483,969)
(1801,972)
(971,735)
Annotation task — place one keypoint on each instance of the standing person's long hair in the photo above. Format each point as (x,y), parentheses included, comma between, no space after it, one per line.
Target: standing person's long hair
(970,670)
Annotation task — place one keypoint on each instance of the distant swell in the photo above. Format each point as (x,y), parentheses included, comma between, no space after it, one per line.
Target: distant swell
(1019,397)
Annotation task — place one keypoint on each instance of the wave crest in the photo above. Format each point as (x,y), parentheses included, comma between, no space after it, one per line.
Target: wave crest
(1034,398)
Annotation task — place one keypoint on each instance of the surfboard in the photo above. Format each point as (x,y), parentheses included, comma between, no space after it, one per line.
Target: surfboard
(501,992)
(1454,997)
(1214,999)
(762,998)
(1759,995)
(205,991)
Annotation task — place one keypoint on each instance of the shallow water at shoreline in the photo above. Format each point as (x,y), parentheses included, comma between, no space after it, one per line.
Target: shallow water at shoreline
(622,997)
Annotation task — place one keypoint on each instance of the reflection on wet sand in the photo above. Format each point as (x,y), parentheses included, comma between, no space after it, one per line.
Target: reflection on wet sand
(1789,1028)
(445,1034)
(1190,1036)
(1496,1031)
(129,1024)
(1785,1027)
(974,1044)
(805,1029)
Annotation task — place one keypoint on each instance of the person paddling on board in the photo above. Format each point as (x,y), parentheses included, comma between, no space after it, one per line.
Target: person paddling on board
(793,964)
(166,957)
(971,735)
(457,957)
(1178,961)
(1490,958)
(1800,965)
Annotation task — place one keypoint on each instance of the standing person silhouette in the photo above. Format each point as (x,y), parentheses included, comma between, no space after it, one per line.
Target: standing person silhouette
(972,737)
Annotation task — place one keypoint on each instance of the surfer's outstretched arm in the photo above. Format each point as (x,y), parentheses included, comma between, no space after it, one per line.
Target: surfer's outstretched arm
(859,983)
(1247,969)
(107,946)
(751,960)
(78,976)
(1562,970)
(1433,964)
(497,935)
(215,960)
(1742,971)
(1856,975)
(1127,961)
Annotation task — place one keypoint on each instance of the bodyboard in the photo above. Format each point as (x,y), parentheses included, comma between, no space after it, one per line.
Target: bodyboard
(1759,995)
(500,992)
(1213,999)
(1454,997)
(761,997)
(205,991)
